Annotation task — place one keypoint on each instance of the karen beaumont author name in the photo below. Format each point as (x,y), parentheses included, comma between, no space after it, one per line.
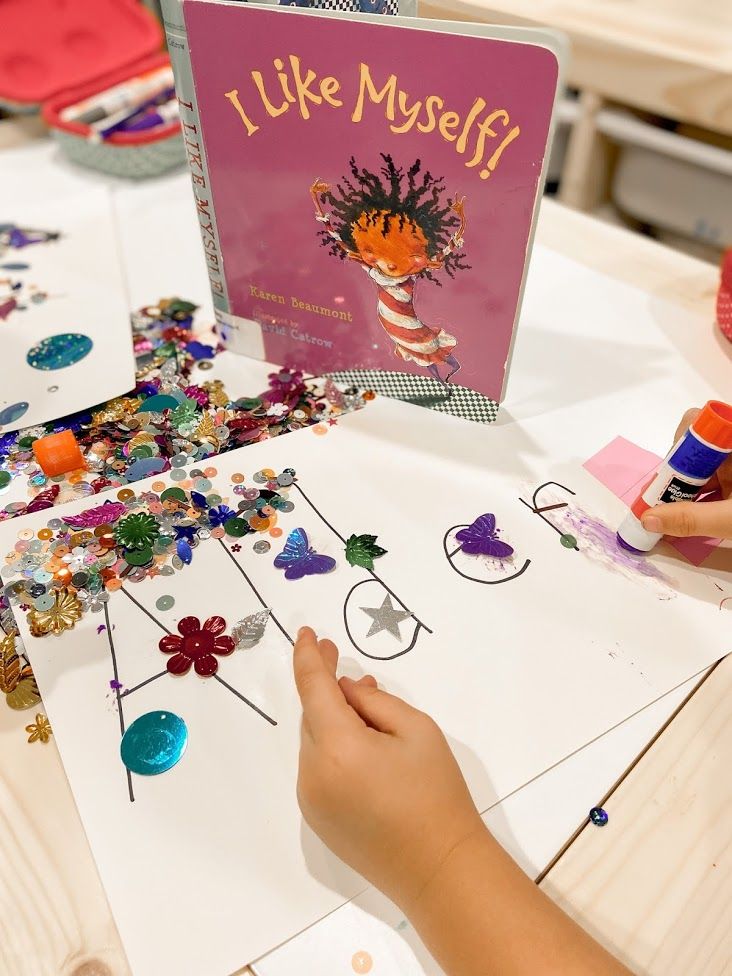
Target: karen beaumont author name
(299,304)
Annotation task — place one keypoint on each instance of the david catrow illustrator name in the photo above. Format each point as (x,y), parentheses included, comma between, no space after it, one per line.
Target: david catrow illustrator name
(483,133)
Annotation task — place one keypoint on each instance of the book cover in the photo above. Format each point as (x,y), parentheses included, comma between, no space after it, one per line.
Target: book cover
(374,184)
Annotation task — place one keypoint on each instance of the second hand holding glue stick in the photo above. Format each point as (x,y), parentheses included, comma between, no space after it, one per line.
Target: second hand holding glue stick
(685,470)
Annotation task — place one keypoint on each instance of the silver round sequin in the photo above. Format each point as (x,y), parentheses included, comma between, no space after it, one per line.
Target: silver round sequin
(262,546)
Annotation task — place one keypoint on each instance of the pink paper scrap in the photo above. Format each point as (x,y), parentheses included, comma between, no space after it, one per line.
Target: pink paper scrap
(624,468)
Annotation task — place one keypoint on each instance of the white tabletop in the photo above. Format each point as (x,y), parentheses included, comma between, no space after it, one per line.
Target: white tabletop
(162,256)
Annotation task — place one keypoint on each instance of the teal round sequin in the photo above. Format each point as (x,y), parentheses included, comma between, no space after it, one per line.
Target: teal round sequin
(5,479)
(568,541)
(59,351)
(165,602)
(154,743)
(12,413)
(177,474)
(202,484)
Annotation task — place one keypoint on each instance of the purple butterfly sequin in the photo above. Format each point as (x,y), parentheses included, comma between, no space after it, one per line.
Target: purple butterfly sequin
(298,559)
(480,538)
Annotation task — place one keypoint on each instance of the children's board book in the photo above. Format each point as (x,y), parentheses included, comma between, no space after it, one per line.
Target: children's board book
(367,189)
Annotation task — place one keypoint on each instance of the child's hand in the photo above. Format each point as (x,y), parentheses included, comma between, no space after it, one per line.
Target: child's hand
(689,518)
(378,782)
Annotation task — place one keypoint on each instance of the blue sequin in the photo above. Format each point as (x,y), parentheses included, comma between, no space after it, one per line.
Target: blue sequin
(59,351)
(12,413)
(598,816)
(154,743)
(200,351)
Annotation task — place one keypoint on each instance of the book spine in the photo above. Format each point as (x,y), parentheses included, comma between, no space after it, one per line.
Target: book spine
(175,33)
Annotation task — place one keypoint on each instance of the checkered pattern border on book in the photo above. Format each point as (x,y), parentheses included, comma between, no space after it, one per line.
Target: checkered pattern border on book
(423,391)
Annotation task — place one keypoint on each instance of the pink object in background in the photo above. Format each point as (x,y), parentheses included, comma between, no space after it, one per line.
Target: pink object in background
(724,296)
(624,468)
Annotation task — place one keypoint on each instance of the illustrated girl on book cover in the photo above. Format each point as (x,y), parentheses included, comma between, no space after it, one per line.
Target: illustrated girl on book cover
(397,227)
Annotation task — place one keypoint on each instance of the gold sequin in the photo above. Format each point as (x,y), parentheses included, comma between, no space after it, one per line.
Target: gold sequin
(40,730)
(64,613)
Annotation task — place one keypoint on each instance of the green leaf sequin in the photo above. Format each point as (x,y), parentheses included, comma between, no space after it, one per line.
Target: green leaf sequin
(361,550)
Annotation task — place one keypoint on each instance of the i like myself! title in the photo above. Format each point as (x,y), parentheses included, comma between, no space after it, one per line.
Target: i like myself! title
(484,134)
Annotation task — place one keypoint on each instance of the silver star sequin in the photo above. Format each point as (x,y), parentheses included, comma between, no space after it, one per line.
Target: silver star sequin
(386,617)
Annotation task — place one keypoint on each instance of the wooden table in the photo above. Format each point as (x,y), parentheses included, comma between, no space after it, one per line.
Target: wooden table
(655,886)
(668,57)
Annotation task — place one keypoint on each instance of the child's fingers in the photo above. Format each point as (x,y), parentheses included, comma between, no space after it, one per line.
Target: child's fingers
(323,704)
(380,710)
(689,518)
(686,421)
(329,653)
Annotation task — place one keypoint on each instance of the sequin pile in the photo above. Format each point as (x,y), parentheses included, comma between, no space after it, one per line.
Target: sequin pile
(167,421)
(68,568)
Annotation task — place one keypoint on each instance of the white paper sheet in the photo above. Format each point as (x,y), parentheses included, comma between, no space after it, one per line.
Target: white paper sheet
(81,276)
(532,824)
(518,674)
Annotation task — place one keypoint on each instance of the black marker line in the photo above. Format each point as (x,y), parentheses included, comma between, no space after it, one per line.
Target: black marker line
(538,510)
(495,582)
(160,675)
(254,589)
(146,612)
(119,697)
(371,571)
(245,700)
(375,657)
(546,485)
(535,511)
(128,691)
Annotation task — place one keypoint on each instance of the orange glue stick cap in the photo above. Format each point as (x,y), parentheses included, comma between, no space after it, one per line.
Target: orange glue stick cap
(714,425)
(58,453)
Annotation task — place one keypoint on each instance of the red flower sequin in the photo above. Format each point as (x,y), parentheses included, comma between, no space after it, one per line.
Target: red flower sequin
(197,646)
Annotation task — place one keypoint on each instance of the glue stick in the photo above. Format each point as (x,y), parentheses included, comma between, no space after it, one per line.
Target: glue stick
(685,470)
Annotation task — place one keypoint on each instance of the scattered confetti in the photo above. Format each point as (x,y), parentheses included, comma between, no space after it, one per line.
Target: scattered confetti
(14,412)
(40,731)
(248,632)
(197,646)
(16,676)
(59,351)
(154,743)
(386,617)
(171,419)
(480,538)
(361,550)
(299,559)
(63,612)
(361,963)
(115,685)
(598,816)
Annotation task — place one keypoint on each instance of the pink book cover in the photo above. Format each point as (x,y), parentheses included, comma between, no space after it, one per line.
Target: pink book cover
(374,187)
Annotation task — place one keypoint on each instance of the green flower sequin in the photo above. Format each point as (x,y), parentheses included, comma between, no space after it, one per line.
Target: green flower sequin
(185,413)
(138,531)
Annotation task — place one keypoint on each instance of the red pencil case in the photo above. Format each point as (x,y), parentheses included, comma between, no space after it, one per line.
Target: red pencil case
(54,54)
